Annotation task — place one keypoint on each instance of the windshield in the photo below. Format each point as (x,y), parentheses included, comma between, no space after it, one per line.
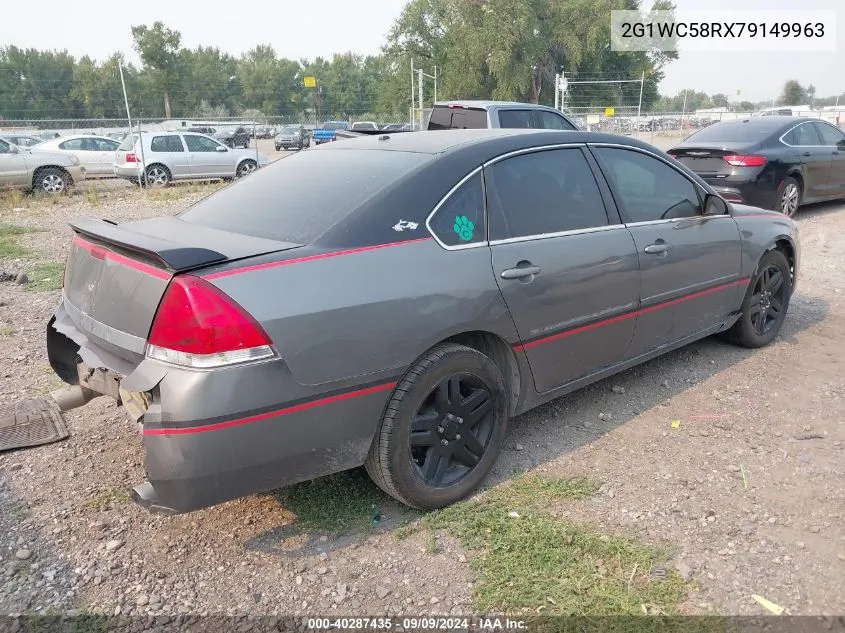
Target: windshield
(290,200)
(289,131)
(335,125)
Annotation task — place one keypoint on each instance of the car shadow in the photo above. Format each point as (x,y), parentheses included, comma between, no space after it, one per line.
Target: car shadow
(819,209)
(541,435)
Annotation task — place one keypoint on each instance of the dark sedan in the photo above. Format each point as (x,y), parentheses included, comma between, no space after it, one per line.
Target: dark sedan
(773,162)
(282,329)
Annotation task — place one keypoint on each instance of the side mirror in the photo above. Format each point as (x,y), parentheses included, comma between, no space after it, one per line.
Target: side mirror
(220,148)
(715,205)
(841,145)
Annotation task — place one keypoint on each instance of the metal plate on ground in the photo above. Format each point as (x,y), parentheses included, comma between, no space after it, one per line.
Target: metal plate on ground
(30,422)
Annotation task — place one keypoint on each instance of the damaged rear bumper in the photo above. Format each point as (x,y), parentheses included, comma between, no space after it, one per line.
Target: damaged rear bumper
(215,435)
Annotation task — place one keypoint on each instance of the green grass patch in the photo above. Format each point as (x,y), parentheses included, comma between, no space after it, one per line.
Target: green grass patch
(529,563)
(9,245)
(337,504)
(108,498)
(46,276)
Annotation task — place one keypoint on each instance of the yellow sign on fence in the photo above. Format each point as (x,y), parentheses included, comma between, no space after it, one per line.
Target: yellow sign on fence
(310,82)
(609,111)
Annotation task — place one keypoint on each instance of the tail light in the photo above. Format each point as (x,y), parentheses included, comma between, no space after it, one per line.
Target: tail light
(739,160)
(199,326)
(131,158)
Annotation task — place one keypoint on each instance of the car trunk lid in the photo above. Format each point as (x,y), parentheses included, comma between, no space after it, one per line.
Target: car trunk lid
(709,159)
(116,275)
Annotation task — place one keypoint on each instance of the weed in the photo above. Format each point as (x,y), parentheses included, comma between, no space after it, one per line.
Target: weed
(46,276)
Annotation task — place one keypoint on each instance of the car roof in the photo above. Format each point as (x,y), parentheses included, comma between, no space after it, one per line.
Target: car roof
(507,139)
(485,104)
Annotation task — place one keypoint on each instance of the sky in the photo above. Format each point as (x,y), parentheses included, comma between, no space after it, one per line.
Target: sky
(323,27)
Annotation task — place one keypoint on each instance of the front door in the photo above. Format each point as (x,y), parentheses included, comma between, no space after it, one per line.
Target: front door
(689,262)
(569,275)
(209,159)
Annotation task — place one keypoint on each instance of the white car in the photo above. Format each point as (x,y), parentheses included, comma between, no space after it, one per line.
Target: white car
(95,153)
(364,125)
(167,156)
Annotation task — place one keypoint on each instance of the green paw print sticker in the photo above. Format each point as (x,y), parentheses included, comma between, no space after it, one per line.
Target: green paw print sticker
(464,227)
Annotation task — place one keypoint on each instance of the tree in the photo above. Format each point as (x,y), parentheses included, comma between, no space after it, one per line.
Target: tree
(793,93)
(811,93)
(159,48)
(720,100)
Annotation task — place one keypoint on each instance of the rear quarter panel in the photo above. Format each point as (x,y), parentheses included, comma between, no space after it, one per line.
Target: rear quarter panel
(371,313)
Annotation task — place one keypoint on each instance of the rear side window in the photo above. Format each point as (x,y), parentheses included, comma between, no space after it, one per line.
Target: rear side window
(543,192)
(516,119)
(73,144)
(446,118)
(804,134)
(166,144)
(461,218)
(300,198)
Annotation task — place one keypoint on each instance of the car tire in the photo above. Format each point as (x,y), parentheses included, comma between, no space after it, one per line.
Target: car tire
(789,197)
(278,147)
(425,410)
(52,180)
(770,287)
(157,176)
(246,168)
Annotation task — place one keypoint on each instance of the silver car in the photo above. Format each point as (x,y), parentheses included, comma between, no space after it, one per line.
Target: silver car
(48,172)
(96,153)
(167,156)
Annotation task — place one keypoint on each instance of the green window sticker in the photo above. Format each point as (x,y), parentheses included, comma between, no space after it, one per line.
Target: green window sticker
(464,227)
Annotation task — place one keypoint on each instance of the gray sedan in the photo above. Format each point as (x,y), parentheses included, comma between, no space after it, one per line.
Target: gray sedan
(282,329)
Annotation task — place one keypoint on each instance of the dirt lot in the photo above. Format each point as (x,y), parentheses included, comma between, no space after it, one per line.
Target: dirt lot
(744,497)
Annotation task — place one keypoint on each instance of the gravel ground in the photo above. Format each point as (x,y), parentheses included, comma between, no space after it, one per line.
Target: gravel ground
(747,491)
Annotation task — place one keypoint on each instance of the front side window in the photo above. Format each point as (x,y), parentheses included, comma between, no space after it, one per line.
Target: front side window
(543,192)
(551,121)
(200,143)
(647,189)
(4,148)
(460,220)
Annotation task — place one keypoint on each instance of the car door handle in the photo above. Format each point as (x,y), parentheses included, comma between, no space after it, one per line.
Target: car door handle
(518,273)
(807,154)
(653,249)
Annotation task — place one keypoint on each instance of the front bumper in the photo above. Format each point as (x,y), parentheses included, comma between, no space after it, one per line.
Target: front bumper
(215,435)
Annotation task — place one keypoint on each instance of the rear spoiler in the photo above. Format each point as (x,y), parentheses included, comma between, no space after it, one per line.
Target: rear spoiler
(156,251)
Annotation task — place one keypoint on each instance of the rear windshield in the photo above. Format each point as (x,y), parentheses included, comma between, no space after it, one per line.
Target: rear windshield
(128,143)
(446,118)
(755,130)
(299,198)
(335,125)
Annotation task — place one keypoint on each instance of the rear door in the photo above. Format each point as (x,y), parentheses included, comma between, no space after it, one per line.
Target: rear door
(568,273)
(208,158)
(833,140)
(807,147)
(689,262)
(168,149)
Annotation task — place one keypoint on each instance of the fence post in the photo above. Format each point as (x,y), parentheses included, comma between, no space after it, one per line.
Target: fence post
(142,176)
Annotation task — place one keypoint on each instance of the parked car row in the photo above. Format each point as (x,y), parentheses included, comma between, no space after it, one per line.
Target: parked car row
(162,157)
